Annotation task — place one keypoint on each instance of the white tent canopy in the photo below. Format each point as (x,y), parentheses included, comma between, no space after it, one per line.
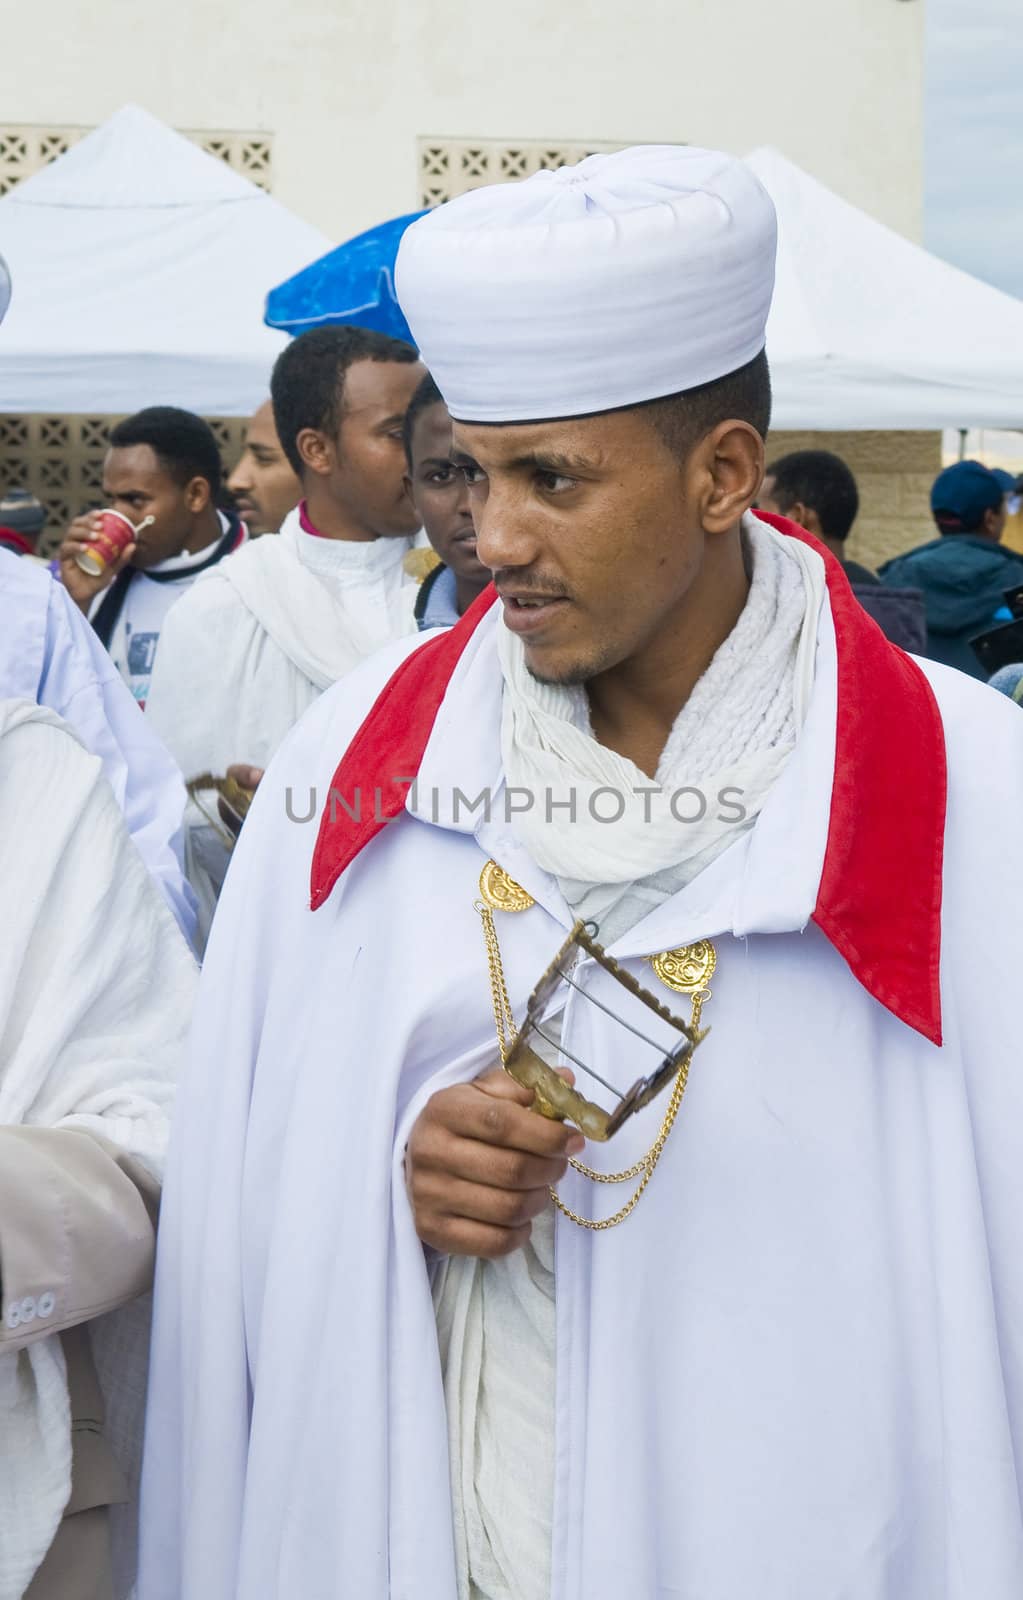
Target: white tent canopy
(870,331)
(140,266)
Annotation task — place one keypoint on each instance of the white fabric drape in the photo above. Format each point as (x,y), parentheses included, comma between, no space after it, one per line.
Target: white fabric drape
(95,995)
(253,644)
(261,635)
(48,653)
(794,1373)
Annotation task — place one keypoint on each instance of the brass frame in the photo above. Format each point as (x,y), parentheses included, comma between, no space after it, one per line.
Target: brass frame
(559,1100)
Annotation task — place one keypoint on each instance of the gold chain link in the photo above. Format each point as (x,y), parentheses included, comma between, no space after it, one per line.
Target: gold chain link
(504,1020)
(643,1169)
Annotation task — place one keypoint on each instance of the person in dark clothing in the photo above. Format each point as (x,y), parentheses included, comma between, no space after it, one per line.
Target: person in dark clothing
(965,572)
(816,489)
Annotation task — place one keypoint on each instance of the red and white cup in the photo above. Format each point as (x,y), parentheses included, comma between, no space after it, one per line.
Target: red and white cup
(115,534)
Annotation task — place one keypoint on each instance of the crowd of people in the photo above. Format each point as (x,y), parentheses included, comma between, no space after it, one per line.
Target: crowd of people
(434,845)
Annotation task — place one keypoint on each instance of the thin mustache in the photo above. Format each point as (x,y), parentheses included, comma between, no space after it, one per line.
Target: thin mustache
(517,592)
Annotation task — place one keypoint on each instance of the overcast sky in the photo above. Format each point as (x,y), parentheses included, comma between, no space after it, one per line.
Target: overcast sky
(974,137)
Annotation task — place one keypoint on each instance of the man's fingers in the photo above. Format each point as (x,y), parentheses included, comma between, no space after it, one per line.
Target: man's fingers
(475,1162)
(510,1124)
(435,1195)
(246,777)
(457,1236)
(502,1086)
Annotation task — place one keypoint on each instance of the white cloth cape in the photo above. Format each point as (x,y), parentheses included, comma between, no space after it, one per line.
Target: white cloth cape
(48,653)
(96,987)
(795,1373)
(254,642)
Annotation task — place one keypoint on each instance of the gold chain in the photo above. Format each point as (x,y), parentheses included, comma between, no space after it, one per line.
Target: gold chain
(644,1168)
(504,1020)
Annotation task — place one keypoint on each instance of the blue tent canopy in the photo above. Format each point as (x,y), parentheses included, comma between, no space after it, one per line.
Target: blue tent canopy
(353,284)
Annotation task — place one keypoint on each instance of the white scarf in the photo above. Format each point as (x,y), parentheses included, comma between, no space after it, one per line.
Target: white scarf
(327,603)
(735,732)
(95,993)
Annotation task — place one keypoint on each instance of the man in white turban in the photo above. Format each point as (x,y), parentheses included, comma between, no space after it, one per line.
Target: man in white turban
(768,1342)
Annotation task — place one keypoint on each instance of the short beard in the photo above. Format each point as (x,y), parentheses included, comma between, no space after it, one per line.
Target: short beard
(574,675)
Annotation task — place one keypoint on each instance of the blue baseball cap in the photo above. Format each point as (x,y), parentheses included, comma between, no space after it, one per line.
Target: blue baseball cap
(1006,479)
(961,495)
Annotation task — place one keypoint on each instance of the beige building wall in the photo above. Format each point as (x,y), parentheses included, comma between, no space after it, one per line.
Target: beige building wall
(347,87)
(894,472)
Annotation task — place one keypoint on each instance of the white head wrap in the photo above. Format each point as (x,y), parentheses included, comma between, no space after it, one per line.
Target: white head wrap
(626,278)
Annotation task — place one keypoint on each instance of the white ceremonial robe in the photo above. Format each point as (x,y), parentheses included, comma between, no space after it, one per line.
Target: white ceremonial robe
(96,987)
(250,647)
(795,1373)
(49,654)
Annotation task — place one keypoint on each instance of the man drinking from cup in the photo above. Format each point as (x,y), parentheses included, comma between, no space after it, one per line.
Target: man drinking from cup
(126,565)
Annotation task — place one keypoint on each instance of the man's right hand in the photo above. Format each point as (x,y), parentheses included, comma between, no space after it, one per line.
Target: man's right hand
(479,1164)
(80,586)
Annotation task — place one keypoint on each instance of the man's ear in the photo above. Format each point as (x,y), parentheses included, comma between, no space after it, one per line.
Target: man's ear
(197,495)
(316,450)
(994,522)
(806,517)
(729,464)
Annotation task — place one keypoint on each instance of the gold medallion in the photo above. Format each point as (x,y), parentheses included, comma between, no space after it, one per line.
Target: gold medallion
(502,893)
(687,970)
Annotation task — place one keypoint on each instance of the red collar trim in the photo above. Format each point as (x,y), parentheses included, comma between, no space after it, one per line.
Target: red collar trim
(879,901)
(304,522)
(17,541)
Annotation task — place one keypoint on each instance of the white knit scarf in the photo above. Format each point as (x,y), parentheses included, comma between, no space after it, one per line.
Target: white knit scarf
(735,733)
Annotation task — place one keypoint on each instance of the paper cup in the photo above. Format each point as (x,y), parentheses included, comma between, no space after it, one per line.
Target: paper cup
(115,534)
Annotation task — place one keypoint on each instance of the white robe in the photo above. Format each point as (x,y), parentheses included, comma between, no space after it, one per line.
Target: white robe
(49,653)
(796,1372)
(250,647)
(96,987)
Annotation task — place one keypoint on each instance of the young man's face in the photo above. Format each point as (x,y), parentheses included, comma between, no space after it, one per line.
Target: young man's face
(263,484)
(367,459)
(601,526)
(441,496)
(138,485)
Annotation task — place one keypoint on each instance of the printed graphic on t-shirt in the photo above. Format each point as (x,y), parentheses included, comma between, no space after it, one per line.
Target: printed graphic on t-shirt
(141,655)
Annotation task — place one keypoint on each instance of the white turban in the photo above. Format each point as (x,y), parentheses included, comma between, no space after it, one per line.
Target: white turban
(625,278)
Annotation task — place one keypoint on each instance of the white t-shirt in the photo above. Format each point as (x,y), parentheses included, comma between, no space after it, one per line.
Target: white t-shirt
(137,630)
